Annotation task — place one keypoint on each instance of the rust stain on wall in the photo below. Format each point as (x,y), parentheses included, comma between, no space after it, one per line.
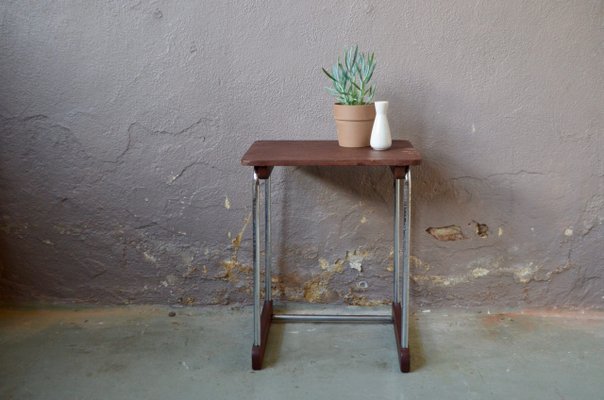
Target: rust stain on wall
(317,289)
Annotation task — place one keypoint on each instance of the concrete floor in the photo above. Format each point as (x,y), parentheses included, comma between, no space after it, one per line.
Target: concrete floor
(204,353)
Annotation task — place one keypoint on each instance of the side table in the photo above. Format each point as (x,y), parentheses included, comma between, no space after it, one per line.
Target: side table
(266,154)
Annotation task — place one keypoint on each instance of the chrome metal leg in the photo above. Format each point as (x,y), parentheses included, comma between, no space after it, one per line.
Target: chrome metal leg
(396,283)
(406,249)
(268,296)
(256,258)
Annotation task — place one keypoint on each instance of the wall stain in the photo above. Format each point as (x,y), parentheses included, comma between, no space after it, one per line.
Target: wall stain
(481,268)
(355,299)
(446,233)
(481,230)
(232,268)
(318,290)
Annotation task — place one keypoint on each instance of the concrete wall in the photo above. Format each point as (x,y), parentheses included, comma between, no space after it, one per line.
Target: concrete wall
(122,124)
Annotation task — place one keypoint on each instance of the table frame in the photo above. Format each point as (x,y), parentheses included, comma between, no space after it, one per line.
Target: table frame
(266,154)
(263,313)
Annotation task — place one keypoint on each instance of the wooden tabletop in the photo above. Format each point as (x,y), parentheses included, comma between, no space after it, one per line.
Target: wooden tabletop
(272,153)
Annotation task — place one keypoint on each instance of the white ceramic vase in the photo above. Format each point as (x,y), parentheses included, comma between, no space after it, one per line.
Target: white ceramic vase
(380,134)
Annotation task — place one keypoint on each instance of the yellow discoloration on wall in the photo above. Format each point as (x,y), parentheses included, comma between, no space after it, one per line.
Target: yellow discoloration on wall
(237,240)
(337,266)
(354,299)
(232,268)
(317,289)
(288,286)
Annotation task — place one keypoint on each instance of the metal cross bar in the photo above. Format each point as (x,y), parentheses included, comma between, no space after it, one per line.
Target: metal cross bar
(379,319)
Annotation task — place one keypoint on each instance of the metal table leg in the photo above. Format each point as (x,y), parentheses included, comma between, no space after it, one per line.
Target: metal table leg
(262,314)
(256,257)
(400,304)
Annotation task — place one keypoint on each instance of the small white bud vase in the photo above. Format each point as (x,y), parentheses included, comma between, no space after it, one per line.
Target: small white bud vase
(380,134)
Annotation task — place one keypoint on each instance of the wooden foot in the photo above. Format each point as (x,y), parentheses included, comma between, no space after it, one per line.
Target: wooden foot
(404,355)
(265,323)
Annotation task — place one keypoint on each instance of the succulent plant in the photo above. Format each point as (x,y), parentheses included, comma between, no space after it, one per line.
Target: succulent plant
(351,79)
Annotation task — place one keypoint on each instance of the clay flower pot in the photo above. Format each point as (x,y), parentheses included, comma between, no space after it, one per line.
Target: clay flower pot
(354,124)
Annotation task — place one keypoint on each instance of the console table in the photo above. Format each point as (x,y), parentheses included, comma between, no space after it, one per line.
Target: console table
(263,156)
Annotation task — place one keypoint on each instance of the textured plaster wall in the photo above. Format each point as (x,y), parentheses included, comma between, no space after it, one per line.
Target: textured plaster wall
(122,124)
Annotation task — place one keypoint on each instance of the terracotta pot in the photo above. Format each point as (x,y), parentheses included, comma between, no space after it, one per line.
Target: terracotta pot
(354,124)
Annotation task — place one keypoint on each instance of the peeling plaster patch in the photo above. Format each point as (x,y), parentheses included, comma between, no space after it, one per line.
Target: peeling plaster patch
(446,233)
(568,232)
(149,257)
(480,272)
(229,234)
(521,273)
(363,219)
(317,290)
(525,274)
(227,203)
(356,261)
(482,230)
(499,231)
(337,266)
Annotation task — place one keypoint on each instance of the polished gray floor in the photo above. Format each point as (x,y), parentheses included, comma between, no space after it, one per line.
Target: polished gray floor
(203,353)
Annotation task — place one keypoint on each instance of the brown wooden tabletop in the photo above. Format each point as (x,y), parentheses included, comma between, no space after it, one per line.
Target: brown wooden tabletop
(272,153)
